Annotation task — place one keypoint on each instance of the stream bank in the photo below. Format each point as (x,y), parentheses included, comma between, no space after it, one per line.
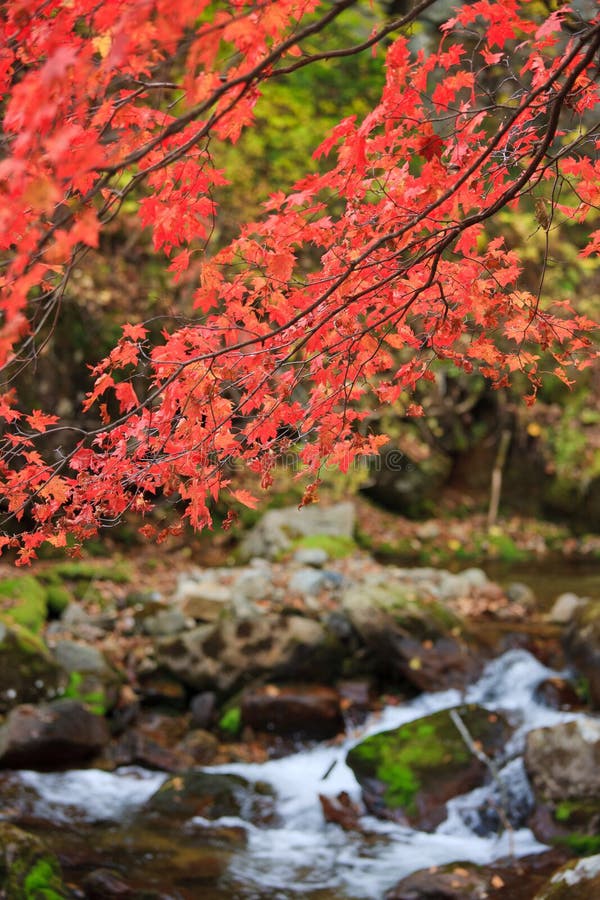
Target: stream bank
(309,645)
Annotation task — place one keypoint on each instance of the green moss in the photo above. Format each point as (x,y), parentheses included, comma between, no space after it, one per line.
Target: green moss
(26,640)
(401,757)
(336,546)
(23,599)
(58,598)
(43,882)
(563,811)
(581,844)
(503,547)
(82,570)
(231,721)
(94,700)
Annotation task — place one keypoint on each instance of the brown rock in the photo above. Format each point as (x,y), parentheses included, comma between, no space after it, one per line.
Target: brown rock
(54,735)
(310,711)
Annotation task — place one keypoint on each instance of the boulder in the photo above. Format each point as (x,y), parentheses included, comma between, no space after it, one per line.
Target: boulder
(27,869)
(276,532)
(301,711)
(28,673)
(54,735)
(229,654)
(410,634)
(582,646)
(563,764)
(409,773)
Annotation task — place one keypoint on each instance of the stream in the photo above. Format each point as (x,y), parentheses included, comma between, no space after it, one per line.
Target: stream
(299,854)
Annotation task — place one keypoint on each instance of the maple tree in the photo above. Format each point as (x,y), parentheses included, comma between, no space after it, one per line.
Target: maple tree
(347,289)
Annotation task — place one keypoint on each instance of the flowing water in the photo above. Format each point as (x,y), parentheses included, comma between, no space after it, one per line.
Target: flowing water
(302,856)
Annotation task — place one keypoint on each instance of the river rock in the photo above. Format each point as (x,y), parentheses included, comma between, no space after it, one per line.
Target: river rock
(302,711)
(203,708)
(409,773)
(200,745)
(565,607)
(92,680)
(211,796)
(457,881)
(202,597)
(410,635)
(563,764)
(50,736)
(563,761)
(505,879)
(582,646)
(558,693)
(27,869)
(574,881)
(275,533)
(28,673)
(308,581)
(229,654)
(311,556)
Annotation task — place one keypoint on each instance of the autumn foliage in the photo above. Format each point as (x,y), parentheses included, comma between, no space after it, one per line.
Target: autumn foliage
(345,292)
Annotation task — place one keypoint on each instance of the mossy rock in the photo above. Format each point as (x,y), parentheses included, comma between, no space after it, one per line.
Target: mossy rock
(24,600)
(27,870)
(28,673)
(408,774)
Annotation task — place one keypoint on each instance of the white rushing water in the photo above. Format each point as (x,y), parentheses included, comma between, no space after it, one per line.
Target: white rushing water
(303,853)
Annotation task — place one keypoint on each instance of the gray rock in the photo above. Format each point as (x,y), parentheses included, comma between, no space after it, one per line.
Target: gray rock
(75,657)
(311,556)
(90,674)
(563,761)
(203,708)
(307,581)
(517,592)
(565,607)
(165,622)
(228,655)
(202,598)
(410,634)
(278,528)
(253,583)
